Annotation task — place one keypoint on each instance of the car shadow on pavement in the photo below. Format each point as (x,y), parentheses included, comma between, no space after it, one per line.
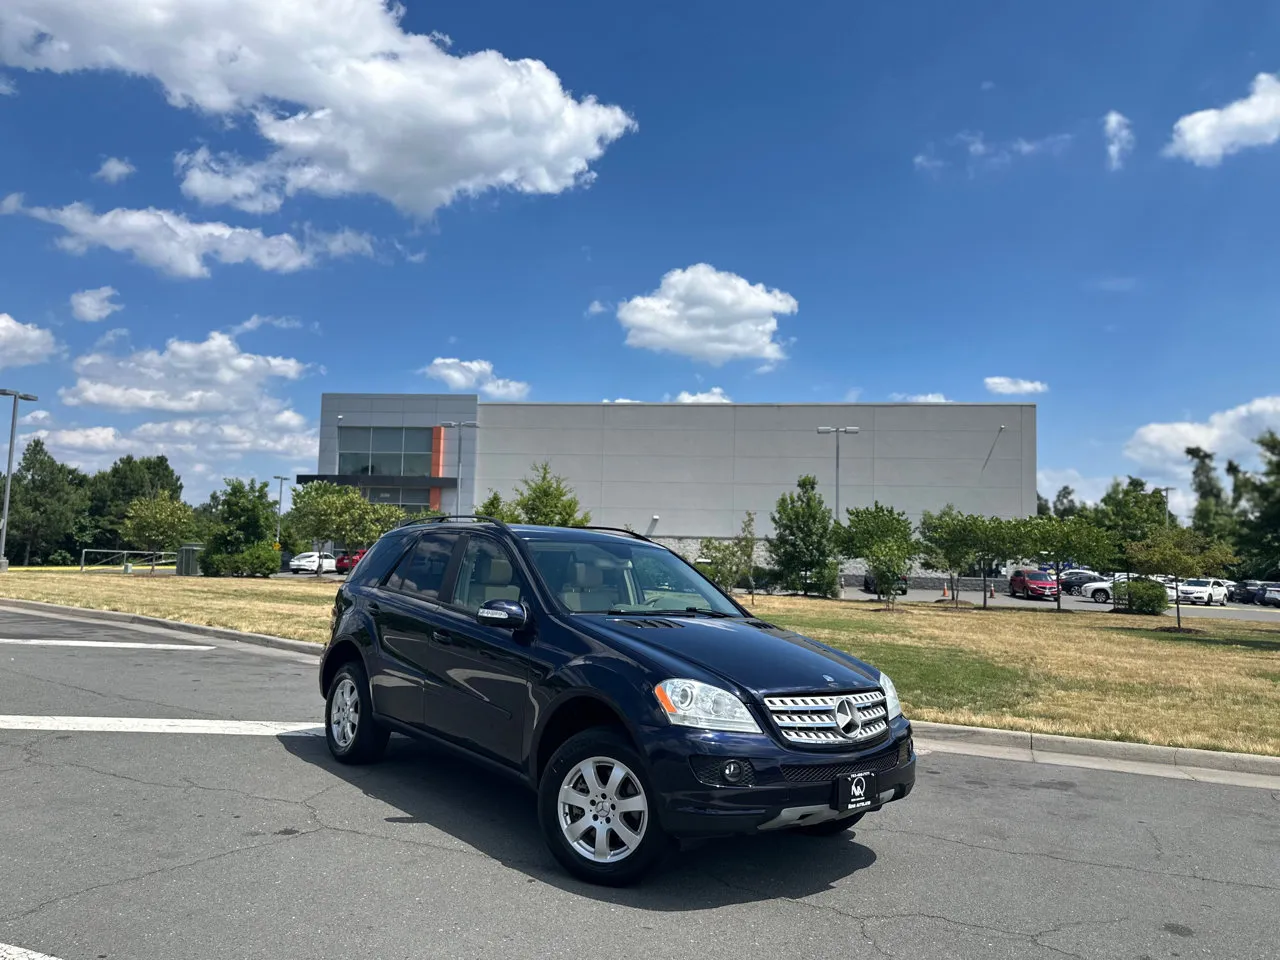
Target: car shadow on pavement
(426,786)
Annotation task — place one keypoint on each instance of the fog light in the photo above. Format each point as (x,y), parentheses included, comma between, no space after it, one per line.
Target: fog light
(733,771)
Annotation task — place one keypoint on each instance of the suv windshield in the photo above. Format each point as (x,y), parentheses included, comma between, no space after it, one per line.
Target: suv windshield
(1038,576)
(636,578)
(1196,583)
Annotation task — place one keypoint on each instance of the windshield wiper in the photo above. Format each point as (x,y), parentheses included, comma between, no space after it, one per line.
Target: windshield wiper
(673,612)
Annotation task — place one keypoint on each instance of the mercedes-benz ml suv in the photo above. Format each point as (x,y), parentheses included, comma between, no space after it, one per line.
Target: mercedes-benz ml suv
(641,703)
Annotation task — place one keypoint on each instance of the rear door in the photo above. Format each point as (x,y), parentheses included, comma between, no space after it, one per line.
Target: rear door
(406,610)
(478,676)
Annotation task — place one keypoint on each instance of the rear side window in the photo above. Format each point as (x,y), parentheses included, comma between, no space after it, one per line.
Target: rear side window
(422,570)
(373,566)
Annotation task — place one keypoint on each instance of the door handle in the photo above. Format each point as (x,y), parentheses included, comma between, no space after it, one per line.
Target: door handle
(374,608)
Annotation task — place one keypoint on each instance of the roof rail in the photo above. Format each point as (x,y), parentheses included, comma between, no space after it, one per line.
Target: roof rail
(630,533)
(446,517)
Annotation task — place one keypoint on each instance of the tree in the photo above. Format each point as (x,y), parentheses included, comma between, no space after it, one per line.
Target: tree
(1181,553)
(1043,507)
(1130,512)
(495,507)
(1064,504)
(803,545)
(547,499)
(1060,541)
(46,499)
(321,511)
(156,523)
(1259,494)
(884,538)
(113,490)
(996,539)
(728,562)
(361,523)
(244,516)
(950,543)
(1213,516)
(889,560)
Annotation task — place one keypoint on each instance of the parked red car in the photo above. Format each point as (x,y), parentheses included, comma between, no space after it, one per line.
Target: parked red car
(346,562)
(1033,583)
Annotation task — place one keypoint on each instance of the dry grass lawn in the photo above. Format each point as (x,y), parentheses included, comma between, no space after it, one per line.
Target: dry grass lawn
(1087,674)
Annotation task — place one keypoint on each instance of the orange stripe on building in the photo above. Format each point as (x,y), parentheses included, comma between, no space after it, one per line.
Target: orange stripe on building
(437,465)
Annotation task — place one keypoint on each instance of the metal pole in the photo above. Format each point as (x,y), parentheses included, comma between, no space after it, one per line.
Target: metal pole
(279,504)
(837,476)
(458,473)
(8,480)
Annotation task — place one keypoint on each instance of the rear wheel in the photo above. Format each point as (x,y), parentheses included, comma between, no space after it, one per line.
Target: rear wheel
(352,733)
(830,828)
(597,809)
(1100,596)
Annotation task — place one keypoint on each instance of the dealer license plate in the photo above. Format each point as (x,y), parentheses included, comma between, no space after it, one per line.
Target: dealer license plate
(855,791)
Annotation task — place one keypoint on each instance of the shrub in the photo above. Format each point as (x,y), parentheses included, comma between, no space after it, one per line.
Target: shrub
(1143,596)
(764,579)
(60,558)
(258,560)
(213,564)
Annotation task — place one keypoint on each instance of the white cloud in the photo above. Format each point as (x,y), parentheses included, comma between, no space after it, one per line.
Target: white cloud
(1014,385)
(927,162)
(981,154)
(708,314)
(113,170)
(1226,434)
(36,417)
(23,344)
(595,307)
(171,243)
(714,395)
(345,99)
(474,375)
(852,394)
(620,400)
(1120,139)
(214,375)
(918,398)
(1205,137)
(259,320)
(7,88)
(94,305)
(1088,489)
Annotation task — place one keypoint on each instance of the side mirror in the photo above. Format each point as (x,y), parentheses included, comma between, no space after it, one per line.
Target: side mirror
(505,614)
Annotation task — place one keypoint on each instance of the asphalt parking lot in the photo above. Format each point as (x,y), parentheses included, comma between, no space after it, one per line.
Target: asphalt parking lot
(219,837)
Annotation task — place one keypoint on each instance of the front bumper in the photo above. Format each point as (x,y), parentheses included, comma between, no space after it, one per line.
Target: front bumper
(777,798)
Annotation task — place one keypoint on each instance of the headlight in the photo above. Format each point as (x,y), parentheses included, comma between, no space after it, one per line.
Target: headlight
(689,703)
(891,701)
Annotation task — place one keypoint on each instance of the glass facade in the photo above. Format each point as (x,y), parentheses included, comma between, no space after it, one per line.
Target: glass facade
(384,451)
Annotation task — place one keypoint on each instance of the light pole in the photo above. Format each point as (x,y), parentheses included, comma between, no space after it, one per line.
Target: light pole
(279,505)
(837,431)
(459,424)
(8,474)
(1165,491)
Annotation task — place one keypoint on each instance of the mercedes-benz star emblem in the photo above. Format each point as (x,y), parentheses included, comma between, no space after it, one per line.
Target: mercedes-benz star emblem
(848,720)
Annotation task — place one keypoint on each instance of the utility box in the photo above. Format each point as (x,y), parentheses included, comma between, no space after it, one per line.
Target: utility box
(189,559)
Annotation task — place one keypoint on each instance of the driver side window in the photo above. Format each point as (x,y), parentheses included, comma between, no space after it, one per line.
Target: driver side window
(486,573)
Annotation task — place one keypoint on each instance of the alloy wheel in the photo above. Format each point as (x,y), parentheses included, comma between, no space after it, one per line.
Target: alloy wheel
(603,811)
(344,714)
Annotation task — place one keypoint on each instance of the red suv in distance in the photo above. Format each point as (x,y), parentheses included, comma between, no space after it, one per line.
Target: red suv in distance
(1033,583)
(346,562)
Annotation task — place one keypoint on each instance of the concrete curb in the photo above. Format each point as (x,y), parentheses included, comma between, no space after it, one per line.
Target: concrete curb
(115,616)
(952,733)
(1104,749)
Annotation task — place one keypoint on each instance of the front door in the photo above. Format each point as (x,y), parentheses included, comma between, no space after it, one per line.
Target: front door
(478,676)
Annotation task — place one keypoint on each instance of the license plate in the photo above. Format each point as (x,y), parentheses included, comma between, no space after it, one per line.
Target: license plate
(855,791)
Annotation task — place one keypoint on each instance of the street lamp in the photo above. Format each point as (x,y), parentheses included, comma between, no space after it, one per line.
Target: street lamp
(837,431)
(459,424)
(8,474)
(279,505)
(1165,491)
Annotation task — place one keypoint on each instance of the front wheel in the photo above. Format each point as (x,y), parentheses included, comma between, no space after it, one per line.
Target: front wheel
(1100,596)
(830,828)
(352,733)
(596,807)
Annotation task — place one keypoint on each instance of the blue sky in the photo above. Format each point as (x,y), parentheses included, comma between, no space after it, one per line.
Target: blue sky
(802,203)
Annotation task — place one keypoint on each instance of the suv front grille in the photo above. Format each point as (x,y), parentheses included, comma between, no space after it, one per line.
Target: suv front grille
(826,720)
(819,772)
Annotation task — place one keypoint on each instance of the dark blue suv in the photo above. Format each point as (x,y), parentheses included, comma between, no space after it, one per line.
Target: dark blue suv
(602,670)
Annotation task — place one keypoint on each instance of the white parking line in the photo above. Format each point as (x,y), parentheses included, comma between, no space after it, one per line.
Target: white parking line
(109,644)
(241,728)
(17,953)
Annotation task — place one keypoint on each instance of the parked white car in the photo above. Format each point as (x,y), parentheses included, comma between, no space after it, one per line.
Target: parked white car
(1103,589)
(1203,591)
(307,563)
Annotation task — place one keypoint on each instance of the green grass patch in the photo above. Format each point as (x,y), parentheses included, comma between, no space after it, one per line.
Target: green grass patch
(884,625)
(947,679)
(1215,636)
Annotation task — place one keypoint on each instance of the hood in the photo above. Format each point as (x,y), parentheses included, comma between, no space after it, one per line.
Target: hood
(755,655)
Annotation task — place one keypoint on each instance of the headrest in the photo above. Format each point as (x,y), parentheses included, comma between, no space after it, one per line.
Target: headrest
(493,571)
(587,575)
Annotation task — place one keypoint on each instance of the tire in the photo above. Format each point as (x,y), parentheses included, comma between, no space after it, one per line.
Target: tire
(1100,596)
(830,828)
(618,859)
(352,733)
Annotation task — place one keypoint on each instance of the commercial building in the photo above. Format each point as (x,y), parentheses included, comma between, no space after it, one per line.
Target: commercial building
(674,470)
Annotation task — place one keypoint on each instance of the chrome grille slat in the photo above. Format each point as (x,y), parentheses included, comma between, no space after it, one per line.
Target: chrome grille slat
(812,720)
